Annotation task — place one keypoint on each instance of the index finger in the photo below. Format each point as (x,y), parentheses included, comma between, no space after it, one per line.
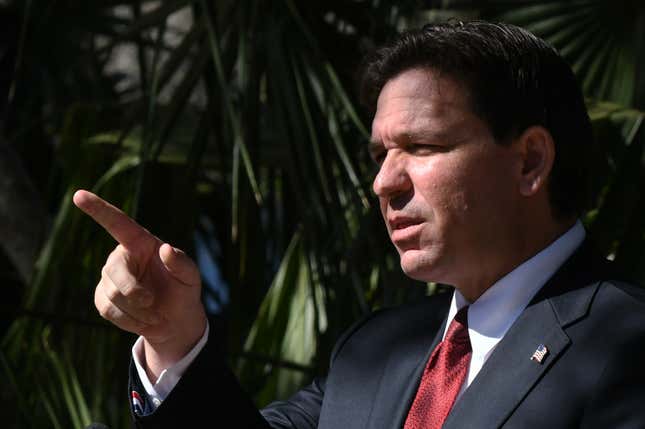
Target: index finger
(119,225)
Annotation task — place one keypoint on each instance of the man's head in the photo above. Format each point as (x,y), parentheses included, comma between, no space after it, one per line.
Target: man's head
(513,79)
(478,130)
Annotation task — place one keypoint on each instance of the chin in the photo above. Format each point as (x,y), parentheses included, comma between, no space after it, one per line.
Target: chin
(420,265)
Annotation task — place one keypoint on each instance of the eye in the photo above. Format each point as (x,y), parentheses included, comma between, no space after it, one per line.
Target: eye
(378,156)
(420,148)
(424,148)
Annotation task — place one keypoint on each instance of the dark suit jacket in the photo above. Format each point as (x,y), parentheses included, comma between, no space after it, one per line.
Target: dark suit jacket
(592,377)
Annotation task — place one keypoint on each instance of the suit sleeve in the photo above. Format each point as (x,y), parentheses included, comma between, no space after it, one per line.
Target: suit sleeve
(301,411)
(209,396)
(619,399)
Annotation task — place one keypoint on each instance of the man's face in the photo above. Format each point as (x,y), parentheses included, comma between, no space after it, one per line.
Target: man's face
(447,191)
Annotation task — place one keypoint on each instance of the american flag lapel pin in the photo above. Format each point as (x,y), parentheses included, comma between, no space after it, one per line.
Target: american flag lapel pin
(540,353)
(137,403)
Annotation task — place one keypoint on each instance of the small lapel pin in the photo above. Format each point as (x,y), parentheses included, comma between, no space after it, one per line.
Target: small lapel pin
(540,353)
(137,403)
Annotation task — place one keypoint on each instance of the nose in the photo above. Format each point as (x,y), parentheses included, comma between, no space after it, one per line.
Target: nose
(392,177)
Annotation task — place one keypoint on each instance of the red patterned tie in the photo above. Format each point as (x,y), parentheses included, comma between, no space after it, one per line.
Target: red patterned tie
(443,376)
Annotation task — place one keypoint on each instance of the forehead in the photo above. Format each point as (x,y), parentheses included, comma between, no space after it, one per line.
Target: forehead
(419,98)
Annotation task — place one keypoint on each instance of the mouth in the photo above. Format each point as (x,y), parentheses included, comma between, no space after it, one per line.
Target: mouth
(404,228)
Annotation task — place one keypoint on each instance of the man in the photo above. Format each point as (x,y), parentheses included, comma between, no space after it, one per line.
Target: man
(480,134)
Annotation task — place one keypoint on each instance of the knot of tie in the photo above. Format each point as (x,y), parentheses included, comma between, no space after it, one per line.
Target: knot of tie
(458,329)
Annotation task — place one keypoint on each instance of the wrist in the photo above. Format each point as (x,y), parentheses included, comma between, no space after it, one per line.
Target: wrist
(163,353)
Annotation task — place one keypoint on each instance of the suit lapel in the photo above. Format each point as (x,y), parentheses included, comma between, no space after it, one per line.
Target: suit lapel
(509,374)
(402,373)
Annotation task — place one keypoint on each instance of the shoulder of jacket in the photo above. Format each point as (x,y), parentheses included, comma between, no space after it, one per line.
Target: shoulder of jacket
(431,306)
(629,292)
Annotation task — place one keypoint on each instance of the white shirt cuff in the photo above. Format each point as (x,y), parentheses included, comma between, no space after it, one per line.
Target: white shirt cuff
(169,377)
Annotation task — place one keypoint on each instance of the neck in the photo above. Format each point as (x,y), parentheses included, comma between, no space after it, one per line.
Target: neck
(517,251)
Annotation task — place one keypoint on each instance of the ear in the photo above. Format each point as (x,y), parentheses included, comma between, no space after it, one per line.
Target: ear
(537,151)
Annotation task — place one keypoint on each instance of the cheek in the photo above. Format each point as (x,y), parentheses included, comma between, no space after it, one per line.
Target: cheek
(443,186)
(481,197)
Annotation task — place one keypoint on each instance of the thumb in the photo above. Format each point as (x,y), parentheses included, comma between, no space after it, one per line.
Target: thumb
(179,265)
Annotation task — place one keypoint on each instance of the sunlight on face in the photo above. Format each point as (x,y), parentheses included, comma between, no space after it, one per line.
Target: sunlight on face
(445,187)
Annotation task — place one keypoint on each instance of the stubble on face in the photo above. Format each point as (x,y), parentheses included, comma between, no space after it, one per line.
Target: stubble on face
(442,173)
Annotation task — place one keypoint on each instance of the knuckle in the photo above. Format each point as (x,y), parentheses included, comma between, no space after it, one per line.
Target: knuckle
(118,251)
(116,258)
(104,271)
(136,294)
(112,293)
(110,269)
(110,313)
(110,272)
(128,290)
(102,307)
(103,311)
(97,303)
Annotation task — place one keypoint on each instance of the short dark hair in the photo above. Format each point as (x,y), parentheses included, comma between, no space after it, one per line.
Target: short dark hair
(514,79)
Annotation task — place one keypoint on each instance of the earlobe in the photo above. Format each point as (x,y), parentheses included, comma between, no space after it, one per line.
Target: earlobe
(538,153)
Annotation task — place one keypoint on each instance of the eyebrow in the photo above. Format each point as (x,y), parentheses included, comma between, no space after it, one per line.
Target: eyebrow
(411,136)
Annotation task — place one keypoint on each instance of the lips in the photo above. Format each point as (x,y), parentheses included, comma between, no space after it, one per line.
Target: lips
(404,228)
(403,222)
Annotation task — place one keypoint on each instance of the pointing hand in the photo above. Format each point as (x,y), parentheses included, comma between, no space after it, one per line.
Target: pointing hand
(147,287)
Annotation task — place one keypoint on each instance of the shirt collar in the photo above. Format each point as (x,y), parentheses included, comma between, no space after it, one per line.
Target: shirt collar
(493,313)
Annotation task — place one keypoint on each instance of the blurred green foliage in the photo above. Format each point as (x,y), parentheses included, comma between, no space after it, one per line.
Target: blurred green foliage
(237,121)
